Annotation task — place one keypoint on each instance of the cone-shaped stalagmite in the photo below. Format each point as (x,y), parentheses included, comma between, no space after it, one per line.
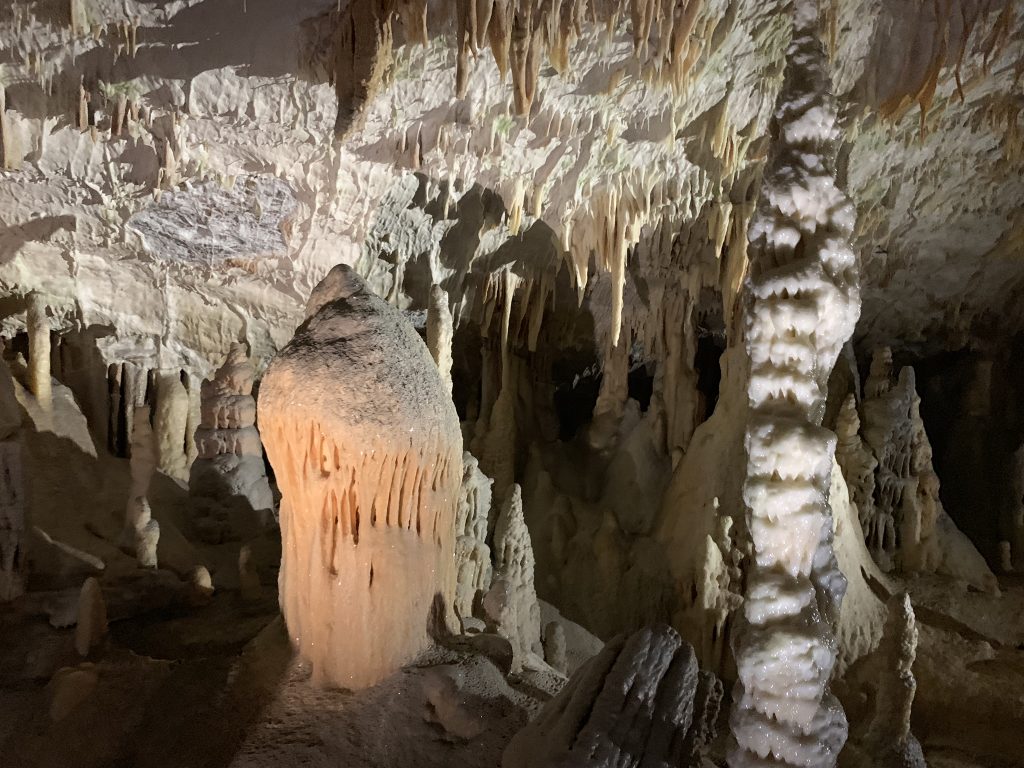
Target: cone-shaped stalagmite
(365,443)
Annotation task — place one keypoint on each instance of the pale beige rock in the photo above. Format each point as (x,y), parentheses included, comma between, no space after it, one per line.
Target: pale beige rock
(554,646)
(472,554)
(170,421)
(911,529)
(143,452)
(440,332)
(889,740)
(858,465)
(367,450)
(92,617)
(146,540)
(38,325)
(514,599)
(228,479)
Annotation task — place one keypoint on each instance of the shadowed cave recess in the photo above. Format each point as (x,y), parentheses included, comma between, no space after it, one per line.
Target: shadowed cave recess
(520,383)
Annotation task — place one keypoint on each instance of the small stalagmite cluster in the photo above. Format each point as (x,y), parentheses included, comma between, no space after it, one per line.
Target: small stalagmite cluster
(366,447)
(886,457)
(228,480)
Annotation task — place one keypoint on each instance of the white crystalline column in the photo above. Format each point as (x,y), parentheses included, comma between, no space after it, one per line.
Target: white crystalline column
(802,306)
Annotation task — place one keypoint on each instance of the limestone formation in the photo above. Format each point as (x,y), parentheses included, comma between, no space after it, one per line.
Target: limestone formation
(511,601)
(141,532)
(858,465)
(228,480)
(201,582)
(889,740)
(170,420)
(439,333)
(472,554)
(803,307)
(92,617)
(367,450)
(554,646)
(39,351)
(642,701)
(910,529)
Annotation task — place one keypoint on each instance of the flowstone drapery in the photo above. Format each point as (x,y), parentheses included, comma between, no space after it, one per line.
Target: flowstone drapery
(365,443)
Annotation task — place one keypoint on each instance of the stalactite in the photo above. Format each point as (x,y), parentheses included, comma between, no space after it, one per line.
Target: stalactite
(363,53)
(472,554)
(858,466)
(802,307)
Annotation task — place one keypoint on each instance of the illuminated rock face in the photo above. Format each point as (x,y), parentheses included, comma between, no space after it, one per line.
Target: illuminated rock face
(365,443)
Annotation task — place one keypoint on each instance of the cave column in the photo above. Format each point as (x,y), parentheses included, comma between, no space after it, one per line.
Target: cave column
(801,306)
(38,326)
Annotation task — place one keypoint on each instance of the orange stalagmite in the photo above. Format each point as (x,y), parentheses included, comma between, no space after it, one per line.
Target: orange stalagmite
(365,442)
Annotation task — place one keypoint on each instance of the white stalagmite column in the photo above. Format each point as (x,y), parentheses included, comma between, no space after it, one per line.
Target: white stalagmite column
(802,305)
(39,351)
(365,442)
(440,331)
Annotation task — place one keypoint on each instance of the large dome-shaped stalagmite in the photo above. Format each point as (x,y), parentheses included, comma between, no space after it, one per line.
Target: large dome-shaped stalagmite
(366,447)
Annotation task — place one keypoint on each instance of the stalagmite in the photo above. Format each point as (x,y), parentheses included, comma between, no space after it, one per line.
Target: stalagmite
(889,741)
(439,333)
(802,306)
(169,423)
(554,646)
(228,480)
(858,465)
(512,599)
(362,56)
(39,351)
(92,617)
(134,536)
(142,465)
(366,446)
(472,555)
(642,701)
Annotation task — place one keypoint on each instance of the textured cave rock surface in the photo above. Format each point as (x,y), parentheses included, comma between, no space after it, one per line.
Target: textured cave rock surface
(560,207)
(642,700)
(235,132)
